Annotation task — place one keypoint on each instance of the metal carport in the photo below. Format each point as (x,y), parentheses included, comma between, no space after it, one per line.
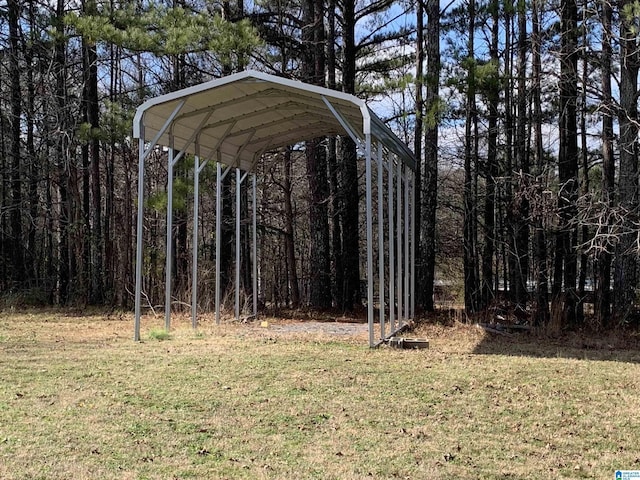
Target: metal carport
(234,121)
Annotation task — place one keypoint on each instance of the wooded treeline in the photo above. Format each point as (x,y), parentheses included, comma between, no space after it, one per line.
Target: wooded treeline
(523,117)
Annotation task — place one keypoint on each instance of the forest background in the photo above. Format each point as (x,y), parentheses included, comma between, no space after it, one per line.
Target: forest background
(523,116)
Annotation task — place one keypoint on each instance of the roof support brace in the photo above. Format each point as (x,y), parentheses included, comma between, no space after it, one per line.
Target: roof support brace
(343,121)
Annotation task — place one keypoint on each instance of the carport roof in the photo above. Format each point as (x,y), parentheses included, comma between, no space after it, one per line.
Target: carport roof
(248,113)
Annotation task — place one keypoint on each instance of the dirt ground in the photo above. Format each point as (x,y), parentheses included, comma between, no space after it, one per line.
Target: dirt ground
(315,327)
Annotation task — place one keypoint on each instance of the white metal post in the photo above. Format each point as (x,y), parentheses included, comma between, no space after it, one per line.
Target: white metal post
(194,270)
(369,240)
(392,273)
(218,234)
(381,292)
(237,292)
(169,238)
(399,243)
(406,241)
(141,156)
(255,248)
(413,245)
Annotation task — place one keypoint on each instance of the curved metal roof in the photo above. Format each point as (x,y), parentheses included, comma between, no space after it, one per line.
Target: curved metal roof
(250,112)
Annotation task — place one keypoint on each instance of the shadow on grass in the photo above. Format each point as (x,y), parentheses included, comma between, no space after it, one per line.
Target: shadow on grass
(465,334)
(620,347)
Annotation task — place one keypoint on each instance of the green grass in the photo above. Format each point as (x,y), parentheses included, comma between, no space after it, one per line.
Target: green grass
(159,334)
(79,399)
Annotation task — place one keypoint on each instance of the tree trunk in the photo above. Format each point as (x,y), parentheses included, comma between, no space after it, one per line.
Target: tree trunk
(93,117)
(422,293)
(294,287)
(16,253)
(566,302)
(62,174)
(470,159)
(427,186)
(334,170)
(541,308)
(603,281)
(507,218)
(521,210)
(584,178)
(493,97)
(316,157)
(429,180)
(33,256)
(626,277)
(349,172)
(320,267)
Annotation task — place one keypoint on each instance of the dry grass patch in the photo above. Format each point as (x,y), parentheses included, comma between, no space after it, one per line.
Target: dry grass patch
(79,399)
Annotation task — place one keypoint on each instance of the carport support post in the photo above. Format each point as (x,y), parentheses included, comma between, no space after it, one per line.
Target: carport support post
(237,292)
(399,243)
(369,239)
(136,330)
(218,234)
(255,248)
(380,166)
(167,288)
(413,245)
(194,271)
(392,273)
(196,209)
(406,241)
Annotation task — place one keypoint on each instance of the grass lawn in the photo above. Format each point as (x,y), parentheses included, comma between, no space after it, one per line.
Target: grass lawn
(80,400)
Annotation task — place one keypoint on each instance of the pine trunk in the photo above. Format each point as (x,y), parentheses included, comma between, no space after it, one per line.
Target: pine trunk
(541,308)
(603,281)
(626,276)
(316,157)
(470,159)
(16,253)
(428,188)
(493,96)
(521,209)
(349,173)
(565,303)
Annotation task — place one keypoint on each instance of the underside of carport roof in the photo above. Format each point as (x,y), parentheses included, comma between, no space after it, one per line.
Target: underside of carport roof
(236,119)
